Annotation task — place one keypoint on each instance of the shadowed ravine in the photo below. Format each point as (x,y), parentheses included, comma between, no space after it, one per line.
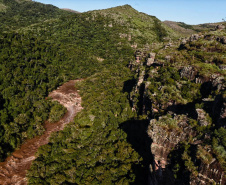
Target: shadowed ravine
(13,170)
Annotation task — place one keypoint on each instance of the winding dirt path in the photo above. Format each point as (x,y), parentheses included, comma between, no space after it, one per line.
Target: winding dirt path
(13,170)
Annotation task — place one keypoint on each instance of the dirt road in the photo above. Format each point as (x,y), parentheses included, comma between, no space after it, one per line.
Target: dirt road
(13,170)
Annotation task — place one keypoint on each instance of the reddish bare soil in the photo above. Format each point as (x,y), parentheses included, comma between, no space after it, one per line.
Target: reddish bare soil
(13,170)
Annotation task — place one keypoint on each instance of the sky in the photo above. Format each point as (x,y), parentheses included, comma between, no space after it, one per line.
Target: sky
(188,11)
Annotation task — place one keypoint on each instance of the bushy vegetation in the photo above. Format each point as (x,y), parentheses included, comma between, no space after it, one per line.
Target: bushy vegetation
(34,62)
(41,47)
(219,145)
(94,148)
(36,59)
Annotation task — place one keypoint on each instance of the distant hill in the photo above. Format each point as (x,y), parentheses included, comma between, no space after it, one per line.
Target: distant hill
(186,29)
(180,27)
(19,13)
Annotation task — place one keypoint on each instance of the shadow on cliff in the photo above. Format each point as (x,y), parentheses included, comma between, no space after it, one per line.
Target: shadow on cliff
(128,87)
(188,109)
(137,136)
(177,164)
(211,107)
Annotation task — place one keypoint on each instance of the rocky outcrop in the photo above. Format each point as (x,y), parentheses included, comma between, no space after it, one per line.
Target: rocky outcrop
(202,117)
(222,39)
(166,137)
(218,82)
(220,27)
(151,59)
(171,131)
(209,174)
(166,133)
(183,41)
(194,37)
(222,67)
(188,72)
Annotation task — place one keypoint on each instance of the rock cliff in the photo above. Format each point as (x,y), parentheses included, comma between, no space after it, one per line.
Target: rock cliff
(185,105)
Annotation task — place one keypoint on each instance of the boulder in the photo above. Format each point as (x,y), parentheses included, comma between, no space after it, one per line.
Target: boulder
(188,72)
(184,41)
(194,37)
(151,59)
(167,58)
(222,67)
(222,40)
(220,27)
(202,117)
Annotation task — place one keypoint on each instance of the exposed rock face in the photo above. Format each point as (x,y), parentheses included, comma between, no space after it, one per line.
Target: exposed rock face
(141,78)
(164,139)
(168,45)
(218,82)
(176,127)
(184,41)
(209,174)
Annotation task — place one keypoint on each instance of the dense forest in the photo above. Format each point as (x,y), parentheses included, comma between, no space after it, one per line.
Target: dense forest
(42,47)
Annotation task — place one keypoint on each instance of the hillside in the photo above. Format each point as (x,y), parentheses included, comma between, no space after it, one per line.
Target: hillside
(143,27)
(187,30)
(15,14)
(139,83)
(181,28)
(37,58)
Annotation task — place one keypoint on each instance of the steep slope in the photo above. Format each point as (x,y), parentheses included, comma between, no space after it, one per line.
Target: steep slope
(142,28)
(181,90)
